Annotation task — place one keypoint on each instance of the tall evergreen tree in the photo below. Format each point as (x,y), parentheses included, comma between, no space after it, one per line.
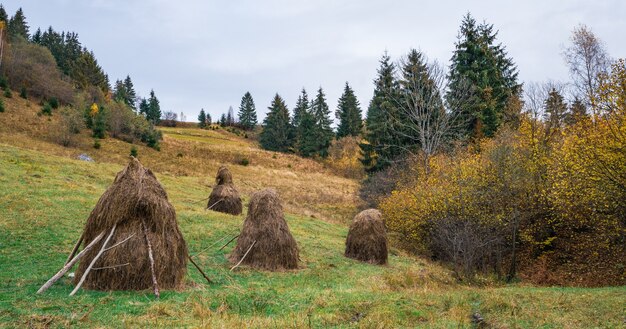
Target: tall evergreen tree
(223,120)
(247,112)
(208,119)
(131,95)
(483,66)
(36,38)
(3,15)
(321,115)
(349,114)
(87,72)
(577,112)
(302,106)
(17,27)
(555,111)
(230,117)
(276,134)
(202,119)
(119,91)
(144,108)
(154,109)
(307,142)
(379,149)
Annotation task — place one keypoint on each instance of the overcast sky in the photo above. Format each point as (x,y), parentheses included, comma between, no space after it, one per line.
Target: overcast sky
(207,54)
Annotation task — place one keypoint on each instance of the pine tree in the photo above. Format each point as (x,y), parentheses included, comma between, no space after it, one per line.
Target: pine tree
(380,146)
(131,95)
(87,72)
(3,15)
(577,112)
(307,140)
(349,114)
(144,108)
(202,119)
(302,106)
(277,129)
(555,111)
(119,91)
(208,119)
(36,38)
(247,112)
(482,66)
(154,109)
(17,27)
(321,115)
(223,120)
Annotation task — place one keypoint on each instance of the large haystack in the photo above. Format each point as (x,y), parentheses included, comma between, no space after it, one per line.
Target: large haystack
(135,199)
(225,197)
(367,238)
(265,226)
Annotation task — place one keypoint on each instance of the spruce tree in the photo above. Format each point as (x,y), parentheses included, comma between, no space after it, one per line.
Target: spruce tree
(202,119)
(154,109)
(36,38)
(555,111)
(302,106)
(230,117)
(119,91)
(481,67)
(208,119)
(17,27)
(321,115)
(307,140)
(277,129)
(3,15)
(247,112)
(144,108)
(223,120)
(381,138)
(349,114)
(131,95)
(577,112)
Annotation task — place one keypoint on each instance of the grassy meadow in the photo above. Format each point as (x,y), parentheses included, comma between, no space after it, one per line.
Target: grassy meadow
(46,196)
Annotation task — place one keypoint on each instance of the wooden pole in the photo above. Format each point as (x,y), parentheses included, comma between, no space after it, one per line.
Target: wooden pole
(229,241)
(69,264)
(200,270)
(154,278)
(244,256)
(104,245)
(75,249)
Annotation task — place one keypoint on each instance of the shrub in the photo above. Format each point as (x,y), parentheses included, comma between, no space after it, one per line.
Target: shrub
(69,124)
(244,162)
(54,102)
(4,83)
(1,106)
(23,93)
(7,93)
(96,144)
(344,157)
(133,151)
(46,109)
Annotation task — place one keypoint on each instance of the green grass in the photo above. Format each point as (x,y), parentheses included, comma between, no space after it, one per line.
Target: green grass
(44,201)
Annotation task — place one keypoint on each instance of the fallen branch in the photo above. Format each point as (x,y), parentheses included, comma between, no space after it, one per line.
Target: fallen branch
(213,205)
(154,278)
(104,244)
(75,249)
(69,264)
(244,256)
(229,241)
(119,243)
(107,267)
(198,268)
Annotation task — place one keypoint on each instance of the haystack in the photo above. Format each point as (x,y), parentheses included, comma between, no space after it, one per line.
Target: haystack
(367,238)
(144,247)
(225,197)
(265,241)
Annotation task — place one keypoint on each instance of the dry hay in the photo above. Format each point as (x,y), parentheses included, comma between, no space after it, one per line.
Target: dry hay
(225,197)
(135,197)
(367,238)
(265,227)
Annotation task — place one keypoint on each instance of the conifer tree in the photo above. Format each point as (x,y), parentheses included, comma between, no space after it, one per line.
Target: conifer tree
(154,109)
(3,15)
(349,114)
(247,112)
(119,91)
(36,38)
(202,119)
(208,119)
(144,108)
(302,106)
(131,95)
(381,131)
(321,115)
(223,120)
(307,140)
(277,129)
(17,27)
(555,111)
(492,76)
(577,112)
(230,117)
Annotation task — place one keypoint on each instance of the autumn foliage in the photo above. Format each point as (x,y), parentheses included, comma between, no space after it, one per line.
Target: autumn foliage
(551,210)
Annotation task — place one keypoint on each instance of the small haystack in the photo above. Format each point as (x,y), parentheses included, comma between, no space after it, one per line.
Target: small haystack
(225,197)
(265,241)
(367,238)
(132,240)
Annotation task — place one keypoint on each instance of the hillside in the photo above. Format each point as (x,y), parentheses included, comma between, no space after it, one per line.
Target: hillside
(47,194)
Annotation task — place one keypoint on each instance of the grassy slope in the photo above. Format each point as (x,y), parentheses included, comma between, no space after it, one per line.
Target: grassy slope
(46,196)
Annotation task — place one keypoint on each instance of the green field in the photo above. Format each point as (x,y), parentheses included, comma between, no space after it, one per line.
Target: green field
(44,201)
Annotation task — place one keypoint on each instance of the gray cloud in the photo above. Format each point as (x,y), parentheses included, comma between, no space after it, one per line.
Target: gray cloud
(207,54)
